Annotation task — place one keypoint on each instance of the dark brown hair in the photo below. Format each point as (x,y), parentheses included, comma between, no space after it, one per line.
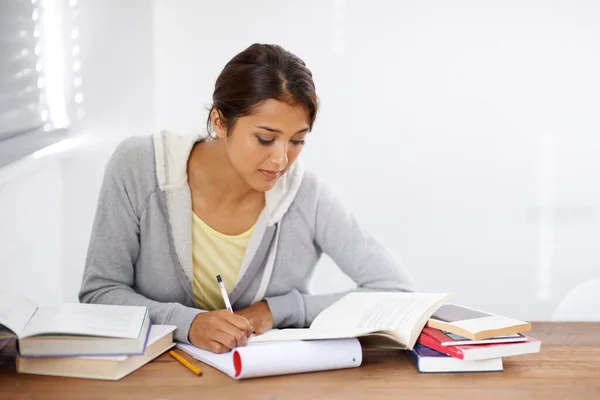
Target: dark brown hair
(259,73)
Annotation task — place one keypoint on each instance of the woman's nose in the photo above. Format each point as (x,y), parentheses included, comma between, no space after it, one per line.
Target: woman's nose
(280,157)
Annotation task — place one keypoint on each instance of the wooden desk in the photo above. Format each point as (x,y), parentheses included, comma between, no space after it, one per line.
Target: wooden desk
(567,367)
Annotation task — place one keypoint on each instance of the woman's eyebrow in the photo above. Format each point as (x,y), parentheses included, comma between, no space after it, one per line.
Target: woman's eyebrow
(278,131)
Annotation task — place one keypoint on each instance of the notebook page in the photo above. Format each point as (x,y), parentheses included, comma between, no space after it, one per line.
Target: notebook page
(88,319)
(15,312)
(222,362)
(299,356)
(279,335)
(280,358)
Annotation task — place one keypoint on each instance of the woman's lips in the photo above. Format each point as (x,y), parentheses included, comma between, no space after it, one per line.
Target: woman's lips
(270,175)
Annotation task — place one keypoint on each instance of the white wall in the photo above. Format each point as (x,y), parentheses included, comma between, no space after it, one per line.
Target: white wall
(117,74)
(463,134)
(47,204)
(30,219)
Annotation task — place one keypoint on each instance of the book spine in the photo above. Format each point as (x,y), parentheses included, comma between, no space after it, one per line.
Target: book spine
(430,342)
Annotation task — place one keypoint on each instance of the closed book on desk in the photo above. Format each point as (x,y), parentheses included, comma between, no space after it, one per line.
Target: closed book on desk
(431,361)
(108,368)
(378,319)
(474,324)
(432,338)
(73,329)
(281,358)
(452,339)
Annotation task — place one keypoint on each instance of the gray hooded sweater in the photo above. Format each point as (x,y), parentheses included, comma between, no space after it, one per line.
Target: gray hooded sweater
(140,252)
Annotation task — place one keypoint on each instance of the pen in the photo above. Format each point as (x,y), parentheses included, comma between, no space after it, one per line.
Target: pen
(224,293)
(185,363)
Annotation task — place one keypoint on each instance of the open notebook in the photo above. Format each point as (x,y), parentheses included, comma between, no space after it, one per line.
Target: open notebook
(281,358)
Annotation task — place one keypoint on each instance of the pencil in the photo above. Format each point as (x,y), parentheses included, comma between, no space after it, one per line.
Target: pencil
(185,363)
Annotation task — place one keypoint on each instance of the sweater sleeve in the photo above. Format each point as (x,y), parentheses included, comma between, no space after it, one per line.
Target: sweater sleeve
(359,255)
(114,246)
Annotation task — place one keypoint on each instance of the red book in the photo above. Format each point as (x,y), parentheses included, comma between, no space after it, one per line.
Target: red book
(452,351)
(433,338)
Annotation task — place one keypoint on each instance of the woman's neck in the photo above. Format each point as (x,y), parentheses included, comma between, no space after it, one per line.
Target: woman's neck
(210,173)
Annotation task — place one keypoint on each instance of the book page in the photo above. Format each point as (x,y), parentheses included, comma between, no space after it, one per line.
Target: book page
(376,311)
(157,332)
(267,359)
(87,320)
(15,312)
(492,322)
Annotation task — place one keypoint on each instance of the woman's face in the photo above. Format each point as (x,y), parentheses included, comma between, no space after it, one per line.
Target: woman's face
(263,145)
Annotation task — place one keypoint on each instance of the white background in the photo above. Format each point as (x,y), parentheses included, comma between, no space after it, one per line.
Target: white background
(465,135)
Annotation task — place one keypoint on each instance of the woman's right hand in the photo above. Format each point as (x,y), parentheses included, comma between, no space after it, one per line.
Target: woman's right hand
(219,331)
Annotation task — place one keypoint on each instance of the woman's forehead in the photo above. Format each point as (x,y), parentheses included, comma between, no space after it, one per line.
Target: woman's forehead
(274,111)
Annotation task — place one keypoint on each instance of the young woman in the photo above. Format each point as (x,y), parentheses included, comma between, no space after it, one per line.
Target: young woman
(175,211)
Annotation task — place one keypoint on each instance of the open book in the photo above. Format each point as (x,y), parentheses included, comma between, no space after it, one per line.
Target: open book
(379,319)
(290,357)
(108,368)
(74,329)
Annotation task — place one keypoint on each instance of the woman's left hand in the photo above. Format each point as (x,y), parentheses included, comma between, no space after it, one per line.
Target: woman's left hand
(259,315)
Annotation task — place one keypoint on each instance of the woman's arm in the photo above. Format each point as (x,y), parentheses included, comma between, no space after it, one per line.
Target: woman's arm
(360,256)
(114,246)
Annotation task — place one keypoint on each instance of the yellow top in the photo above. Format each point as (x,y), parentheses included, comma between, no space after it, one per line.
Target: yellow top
(215,253)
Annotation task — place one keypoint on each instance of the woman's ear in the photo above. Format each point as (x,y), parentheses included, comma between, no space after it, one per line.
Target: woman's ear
(217,122)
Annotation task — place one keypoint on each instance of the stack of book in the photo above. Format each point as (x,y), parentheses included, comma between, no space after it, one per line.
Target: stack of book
(461,339)
(79,340)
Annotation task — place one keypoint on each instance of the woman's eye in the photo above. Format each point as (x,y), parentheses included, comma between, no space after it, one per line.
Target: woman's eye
(264,142)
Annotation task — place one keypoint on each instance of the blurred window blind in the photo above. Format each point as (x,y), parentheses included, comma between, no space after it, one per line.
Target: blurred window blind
(22,103)
(32,91)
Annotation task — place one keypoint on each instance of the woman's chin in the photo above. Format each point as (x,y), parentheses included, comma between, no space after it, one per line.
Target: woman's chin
(262,185)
